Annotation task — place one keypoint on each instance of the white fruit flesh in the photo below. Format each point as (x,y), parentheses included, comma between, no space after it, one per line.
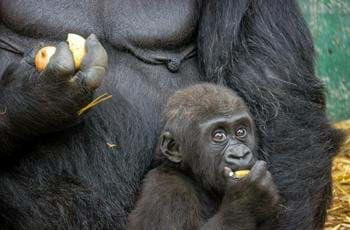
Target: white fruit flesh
(77,46)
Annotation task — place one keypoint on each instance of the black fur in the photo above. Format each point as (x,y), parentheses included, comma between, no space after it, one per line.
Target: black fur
(57,172)
(263,50)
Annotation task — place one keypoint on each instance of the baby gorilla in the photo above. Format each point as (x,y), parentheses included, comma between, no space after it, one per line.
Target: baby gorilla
(208,135)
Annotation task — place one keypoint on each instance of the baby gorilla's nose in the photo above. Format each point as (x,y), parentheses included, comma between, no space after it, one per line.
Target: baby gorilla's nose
(239,155)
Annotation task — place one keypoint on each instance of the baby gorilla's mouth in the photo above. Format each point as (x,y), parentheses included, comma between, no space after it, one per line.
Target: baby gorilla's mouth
(235,174)
(233,168)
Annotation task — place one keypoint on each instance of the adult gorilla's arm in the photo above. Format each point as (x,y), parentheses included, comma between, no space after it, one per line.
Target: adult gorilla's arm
(33,104)
(263,50)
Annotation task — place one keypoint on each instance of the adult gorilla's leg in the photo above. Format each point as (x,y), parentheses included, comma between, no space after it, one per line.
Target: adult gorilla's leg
(33,104)
(264,51)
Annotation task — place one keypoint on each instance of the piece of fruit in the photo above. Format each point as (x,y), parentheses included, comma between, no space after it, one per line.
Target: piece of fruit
(241,173)
(77,46)
(43,56)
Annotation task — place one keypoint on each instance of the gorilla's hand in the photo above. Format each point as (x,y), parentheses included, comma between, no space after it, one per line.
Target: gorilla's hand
(261,178)
(92,70)
(50,101)
(255,195)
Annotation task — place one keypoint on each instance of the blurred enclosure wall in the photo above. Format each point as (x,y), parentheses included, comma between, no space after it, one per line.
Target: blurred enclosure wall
(329,22)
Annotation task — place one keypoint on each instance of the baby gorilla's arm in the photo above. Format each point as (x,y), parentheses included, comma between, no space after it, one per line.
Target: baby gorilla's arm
(168,201)
(33,104)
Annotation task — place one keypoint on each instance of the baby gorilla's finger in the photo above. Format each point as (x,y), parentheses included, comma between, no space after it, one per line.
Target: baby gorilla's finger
(267,183)
(61,64)
(258,171)
(93,67)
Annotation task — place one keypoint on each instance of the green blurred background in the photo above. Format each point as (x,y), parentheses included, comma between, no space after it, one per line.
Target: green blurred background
(329,22)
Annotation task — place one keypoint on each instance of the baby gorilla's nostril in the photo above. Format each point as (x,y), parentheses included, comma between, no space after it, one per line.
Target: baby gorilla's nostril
(246,153)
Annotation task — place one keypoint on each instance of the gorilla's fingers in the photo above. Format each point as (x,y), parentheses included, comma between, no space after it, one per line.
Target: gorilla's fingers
(263,179)
(258,171)
(61,64)
(92,77)
(93,67)
(96,54)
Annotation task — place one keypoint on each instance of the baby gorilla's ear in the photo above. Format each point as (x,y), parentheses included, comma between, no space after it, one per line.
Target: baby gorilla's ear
(170,148)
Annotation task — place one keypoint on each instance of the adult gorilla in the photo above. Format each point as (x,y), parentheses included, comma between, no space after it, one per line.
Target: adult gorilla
(57,170)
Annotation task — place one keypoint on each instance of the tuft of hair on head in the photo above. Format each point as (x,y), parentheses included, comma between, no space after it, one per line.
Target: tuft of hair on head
(202,101)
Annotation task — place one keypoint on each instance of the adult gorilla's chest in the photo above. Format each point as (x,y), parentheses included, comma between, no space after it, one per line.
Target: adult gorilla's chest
(149,23)
(141,37)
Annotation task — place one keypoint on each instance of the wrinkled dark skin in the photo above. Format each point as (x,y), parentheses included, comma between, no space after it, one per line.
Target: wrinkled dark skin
(59,170)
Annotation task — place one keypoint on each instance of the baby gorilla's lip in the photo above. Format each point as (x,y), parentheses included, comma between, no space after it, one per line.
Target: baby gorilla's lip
(234,168)
(228,172)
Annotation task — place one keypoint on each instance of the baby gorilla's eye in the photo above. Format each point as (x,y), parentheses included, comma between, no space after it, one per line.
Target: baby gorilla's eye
(219,135)
(241,132)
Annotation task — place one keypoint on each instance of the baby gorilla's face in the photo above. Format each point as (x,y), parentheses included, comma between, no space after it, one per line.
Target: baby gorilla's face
(226,144)
(208,130)
(230,138)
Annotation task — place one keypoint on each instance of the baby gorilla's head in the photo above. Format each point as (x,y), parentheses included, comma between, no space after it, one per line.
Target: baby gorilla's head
(209,132)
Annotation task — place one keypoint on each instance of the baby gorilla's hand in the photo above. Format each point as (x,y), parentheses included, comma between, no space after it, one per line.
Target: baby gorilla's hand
(50,100)
(261,178)
(255,194)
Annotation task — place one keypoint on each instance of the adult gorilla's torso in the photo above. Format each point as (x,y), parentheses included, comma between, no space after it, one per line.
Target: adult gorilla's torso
(75,176)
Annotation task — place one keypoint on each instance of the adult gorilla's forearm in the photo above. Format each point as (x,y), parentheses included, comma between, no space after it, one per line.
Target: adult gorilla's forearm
(264,51)
(11,99)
